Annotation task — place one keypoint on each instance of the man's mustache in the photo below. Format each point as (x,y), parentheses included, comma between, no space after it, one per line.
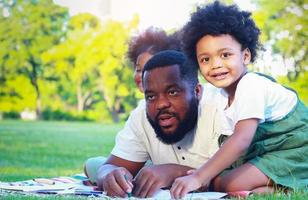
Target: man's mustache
(165,112)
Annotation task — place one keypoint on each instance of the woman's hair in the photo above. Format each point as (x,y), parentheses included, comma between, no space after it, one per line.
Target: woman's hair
(216,19)
(152,40)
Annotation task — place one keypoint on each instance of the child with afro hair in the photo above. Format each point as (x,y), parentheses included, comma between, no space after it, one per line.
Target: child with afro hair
(266,123)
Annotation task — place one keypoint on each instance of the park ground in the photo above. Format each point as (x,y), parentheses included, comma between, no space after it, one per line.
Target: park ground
(30,149)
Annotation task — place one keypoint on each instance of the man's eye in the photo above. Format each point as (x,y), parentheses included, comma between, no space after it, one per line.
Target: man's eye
(150,97)
(173,92)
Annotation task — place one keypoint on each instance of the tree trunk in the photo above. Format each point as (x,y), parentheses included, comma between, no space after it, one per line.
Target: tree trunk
(38,108)
(80,102)
(34,82)
(115,115)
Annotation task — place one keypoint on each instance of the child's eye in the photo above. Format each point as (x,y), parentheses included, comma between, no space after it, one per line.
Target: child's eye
(225,55)
(138,70)
(204,60)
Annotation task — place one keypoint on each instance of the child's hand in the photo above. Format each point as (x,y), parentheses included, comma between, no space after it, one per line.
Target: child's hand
(182,185)
(189,172)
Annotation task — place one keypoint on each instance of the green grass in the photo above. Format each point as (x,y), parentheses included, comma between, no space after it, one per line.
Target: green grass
(50,149)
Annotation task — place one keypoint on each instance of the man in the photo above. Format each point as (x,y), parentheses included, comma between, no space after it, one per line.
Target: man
(170,129)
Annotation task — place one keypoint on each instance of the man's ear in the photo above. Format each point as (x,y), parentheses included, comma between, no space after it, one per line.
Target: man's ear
(198,91)
(246,56)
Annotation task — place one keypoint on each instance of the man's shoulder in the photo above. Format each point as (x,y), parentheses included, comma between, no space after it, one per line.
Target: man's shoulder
(140,109)
(210,94)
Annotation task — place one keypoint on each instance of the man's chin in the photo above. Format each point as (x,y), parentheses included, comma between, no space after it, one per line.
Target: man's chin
(169,135)
(167,138)
(178,130)
(168,130)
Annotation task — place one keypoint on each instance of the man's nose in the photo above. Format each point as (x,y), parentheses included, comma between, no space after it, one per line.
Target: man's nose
(163,102)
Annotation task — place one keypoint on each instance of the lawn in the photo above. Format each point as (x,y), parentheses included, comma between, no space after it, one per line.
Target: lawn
(50,149)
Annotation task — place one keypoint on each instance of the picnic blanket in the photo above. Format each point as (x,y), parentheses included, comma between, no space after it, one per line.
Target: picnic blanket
(69,185)
(80,185)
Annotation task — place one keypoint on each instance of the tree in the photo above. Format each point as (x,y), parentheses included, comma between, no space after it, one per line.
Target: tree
(71,62)
(91,63)
(27,29)
(284,27)
(116,76)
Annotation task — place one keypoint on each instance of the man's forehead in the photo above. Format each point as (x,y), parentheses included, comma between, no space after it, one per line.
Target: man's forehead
(163,77)
(163,74)
(170,70)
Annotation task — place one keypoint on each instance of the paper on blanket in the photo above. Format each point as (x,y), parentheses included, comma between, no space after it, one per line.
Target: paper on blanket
(58,185)
(165,194)
(30,185)
(31,188)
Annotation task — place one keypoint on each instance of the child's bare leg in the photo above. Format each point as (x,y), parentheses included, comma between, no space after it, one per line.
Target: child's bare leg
(245,177)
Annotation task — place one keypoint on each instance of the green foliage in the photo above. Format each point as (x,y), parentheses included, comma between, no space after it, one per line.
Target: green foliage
(116,77)
(50,62)
(58,115)
(11,115)
(16,94)
(93,69)
(71,64)
(27,28)
(76,68)
(300,85)
(284,28)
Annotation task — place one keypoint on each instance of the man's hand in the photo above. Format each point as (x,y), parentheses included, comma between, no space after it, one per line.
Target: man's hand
(152,178)
(111,176)
(115,183)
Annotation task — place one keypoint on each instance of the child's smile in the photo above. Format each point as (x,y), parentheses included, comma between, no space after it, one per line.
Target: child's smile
(220,75)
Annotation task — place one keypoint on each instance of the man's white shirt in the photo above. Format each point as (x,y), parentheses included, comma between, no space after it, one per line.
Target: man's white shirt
(137,141)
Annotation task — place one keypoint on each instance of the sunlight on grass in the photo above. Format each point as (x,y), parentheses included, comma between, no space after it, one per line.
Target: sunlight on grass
(48,149)
(51,149)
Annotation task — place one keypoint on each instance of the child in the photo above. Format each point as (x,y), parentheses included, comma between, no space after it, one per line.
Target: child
(143,46)
(266,122)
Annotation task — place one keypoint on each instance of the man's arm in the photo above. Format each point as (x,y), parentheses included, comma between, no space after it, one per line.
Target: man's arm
(111,175)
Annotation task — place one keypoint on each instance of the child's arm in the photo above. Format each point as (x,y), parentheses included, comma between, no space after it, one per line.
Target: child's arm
(231,150)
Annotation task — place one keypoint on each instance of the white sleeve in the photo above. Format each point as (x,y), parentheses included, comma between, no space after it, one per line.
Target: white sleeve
(129,144)
(211,95)
(250,99)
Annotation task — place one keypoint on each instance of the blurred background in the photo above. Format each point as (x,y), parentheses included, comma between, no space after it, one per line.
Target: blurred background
(66,59)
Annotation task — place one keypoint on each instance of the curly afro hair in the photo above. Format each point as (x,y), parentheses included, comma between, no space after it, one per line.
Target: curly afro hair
(216,19)
(152,40)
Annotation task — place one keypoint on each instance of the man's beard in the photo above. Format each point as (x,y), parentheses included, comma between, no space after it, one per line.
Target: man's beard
(185,126)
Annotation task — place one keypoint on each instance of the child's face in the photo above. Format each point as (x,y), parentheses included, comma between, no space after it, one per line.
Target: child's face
(141,60)
(221,60)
